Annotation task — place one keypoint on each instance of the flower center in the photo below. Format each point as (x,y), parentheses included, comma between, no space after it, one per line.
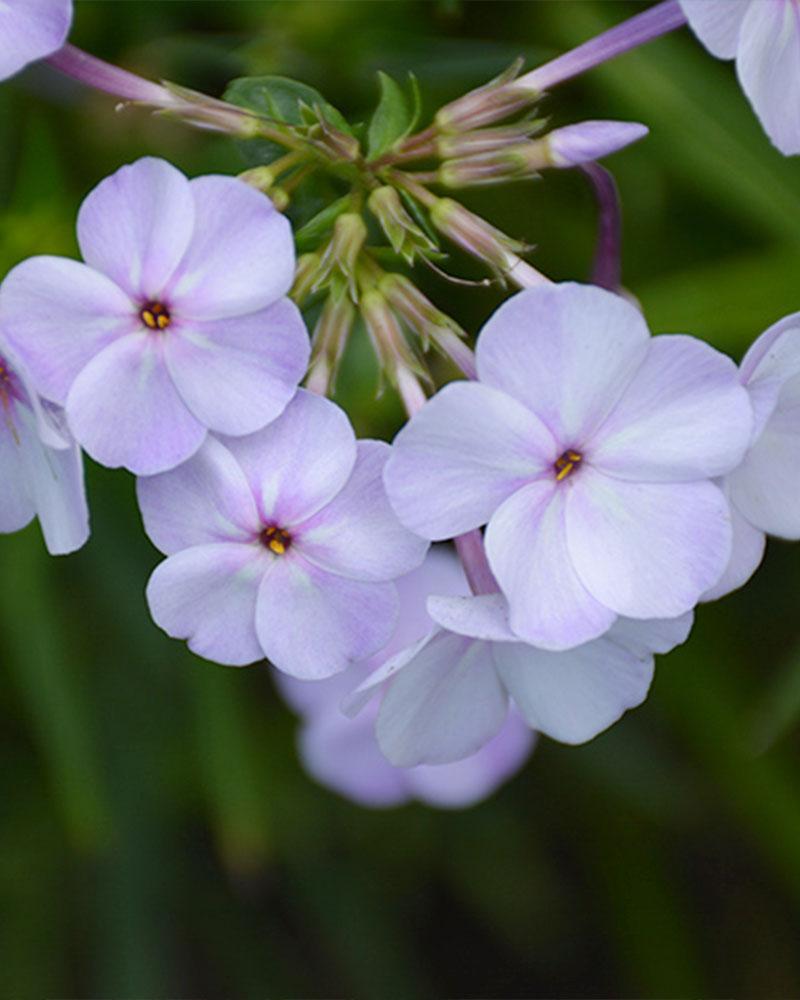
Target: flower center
(155,316)
(567,463)
(275,539)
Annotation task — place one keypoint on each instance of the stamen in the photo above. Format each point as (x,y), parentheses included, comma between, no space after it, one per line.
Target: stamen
(155,315)
(275,539)
(567,463)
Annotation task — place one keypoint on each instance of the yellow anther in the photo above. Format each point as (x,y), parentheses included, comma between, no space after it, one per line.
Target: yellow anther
(275,539)
(277,546)
(566,463)
(156,316)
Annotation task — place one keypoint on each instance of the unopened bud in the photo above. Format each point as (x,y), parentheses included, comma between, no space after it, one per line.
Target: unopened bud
(341,254)
(485,140)
(490,103)
(305,276)
(393,353)
(474,234)
(329,341)
(404,235)
(209,112)
(589,141)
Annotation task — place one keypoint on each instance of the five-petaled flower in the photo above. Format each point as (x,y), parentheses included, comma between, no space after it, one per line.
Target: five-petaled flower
(588,447)
(281,544)
(176,324)
(343,753)
(41,470)
(31,30)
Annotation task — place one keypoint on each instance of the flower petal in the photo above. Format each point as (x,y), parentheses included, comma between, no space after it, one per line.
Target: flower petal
(312,624)
(31,30)
(136,224)
(207,595)
(300,461)
(768,65)
(647,550)
(461,456)
(468,781)
(566,351)
(204,500)
(16,505)
(574,695)
(770,362)
(526,545)
(57,315)
(482,617)
(358,534)
(236,375)
(241,256)
(444,705)
(717,23)
(125,411)
(683,417)
(747,552)
(643,637)
(766,486)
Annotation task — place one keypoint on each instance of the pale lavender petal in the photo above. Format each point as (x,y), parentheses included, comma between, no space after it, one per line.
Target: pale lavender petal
(747,552)
(207,595)
(717,23)
(643,637)
(204,500)
(481,617)
(57,314)
(312,698)
(356,701)
(31,30)
(125,411)
(766,486)
(768,65)
(241,256)
(461,456)
(588,141)
(136,224)
(684,417)
(300,461)
(770,362)
(465,782)
(358,534)
(566,351)
(442,706)
(526,543)
(647,550)
(16,505)
(312,624)
(236,375)
(574,695)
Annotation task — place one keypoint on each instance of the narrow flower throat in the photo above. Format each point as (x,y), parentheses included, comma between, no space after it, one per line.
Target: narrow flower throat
(567,464)
(155,316)
(275,539)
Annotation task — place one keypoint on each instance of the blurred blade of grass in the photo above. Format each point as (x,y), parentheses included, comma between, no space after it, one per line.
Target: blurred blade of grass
(717,145)
(41,657)
(237,796)
(778,711)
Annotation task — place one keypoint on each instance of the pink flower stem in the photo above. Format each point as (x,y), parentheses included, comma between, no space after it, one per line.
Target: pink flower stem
(637,30)
(607,268)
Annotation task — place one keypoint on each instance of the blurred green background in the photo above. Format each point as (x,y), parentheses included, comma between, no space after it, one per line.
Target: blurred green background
(158,835)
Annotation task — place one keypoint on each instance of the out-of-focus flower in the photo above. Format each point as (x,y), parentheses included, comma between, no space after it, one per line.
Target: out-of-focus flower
(343,753)
(281,544)
(764,489)
(31,30)
(763,36)
(588,447)
(41,471)
(448,696)
(177,323)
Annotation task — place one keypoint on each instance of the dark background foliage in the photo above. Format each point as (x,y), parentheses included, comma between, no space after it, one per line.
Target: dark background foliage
(158,836)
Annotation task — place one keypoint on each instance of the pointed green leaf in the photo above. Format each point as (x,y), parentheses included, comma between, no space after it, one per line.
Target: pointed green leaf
(392,121)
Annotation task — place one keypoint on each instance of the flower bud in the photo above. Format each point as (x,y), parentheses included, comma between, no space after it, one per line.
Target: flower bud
(405,236)
(490,103)
(474,234)
(342,253)
(329,341)
(588,141)
(393,353)
(305,276)
(485,140)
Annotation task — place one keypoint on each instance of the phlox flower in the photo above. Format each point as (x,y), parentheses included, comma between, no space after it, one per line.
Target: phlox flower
(281,544)
(763,36)
(41,471)
(343,754)
(176,324)
(31,30)
(588,447)
(764,490)
(448,696)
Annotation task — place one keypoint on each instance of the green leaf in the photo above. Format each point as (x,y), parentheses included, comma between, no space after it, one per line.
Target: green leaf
(282,100)
(393,118)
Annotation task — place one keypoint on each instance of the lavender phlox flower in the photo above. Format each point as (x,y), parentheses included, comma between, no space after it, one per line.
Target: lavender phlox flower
(343,754)
(41,470)
(588,447)
(281,544)
(31,30)
(449,695)
(176,324)
(763,36)
(764,488)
